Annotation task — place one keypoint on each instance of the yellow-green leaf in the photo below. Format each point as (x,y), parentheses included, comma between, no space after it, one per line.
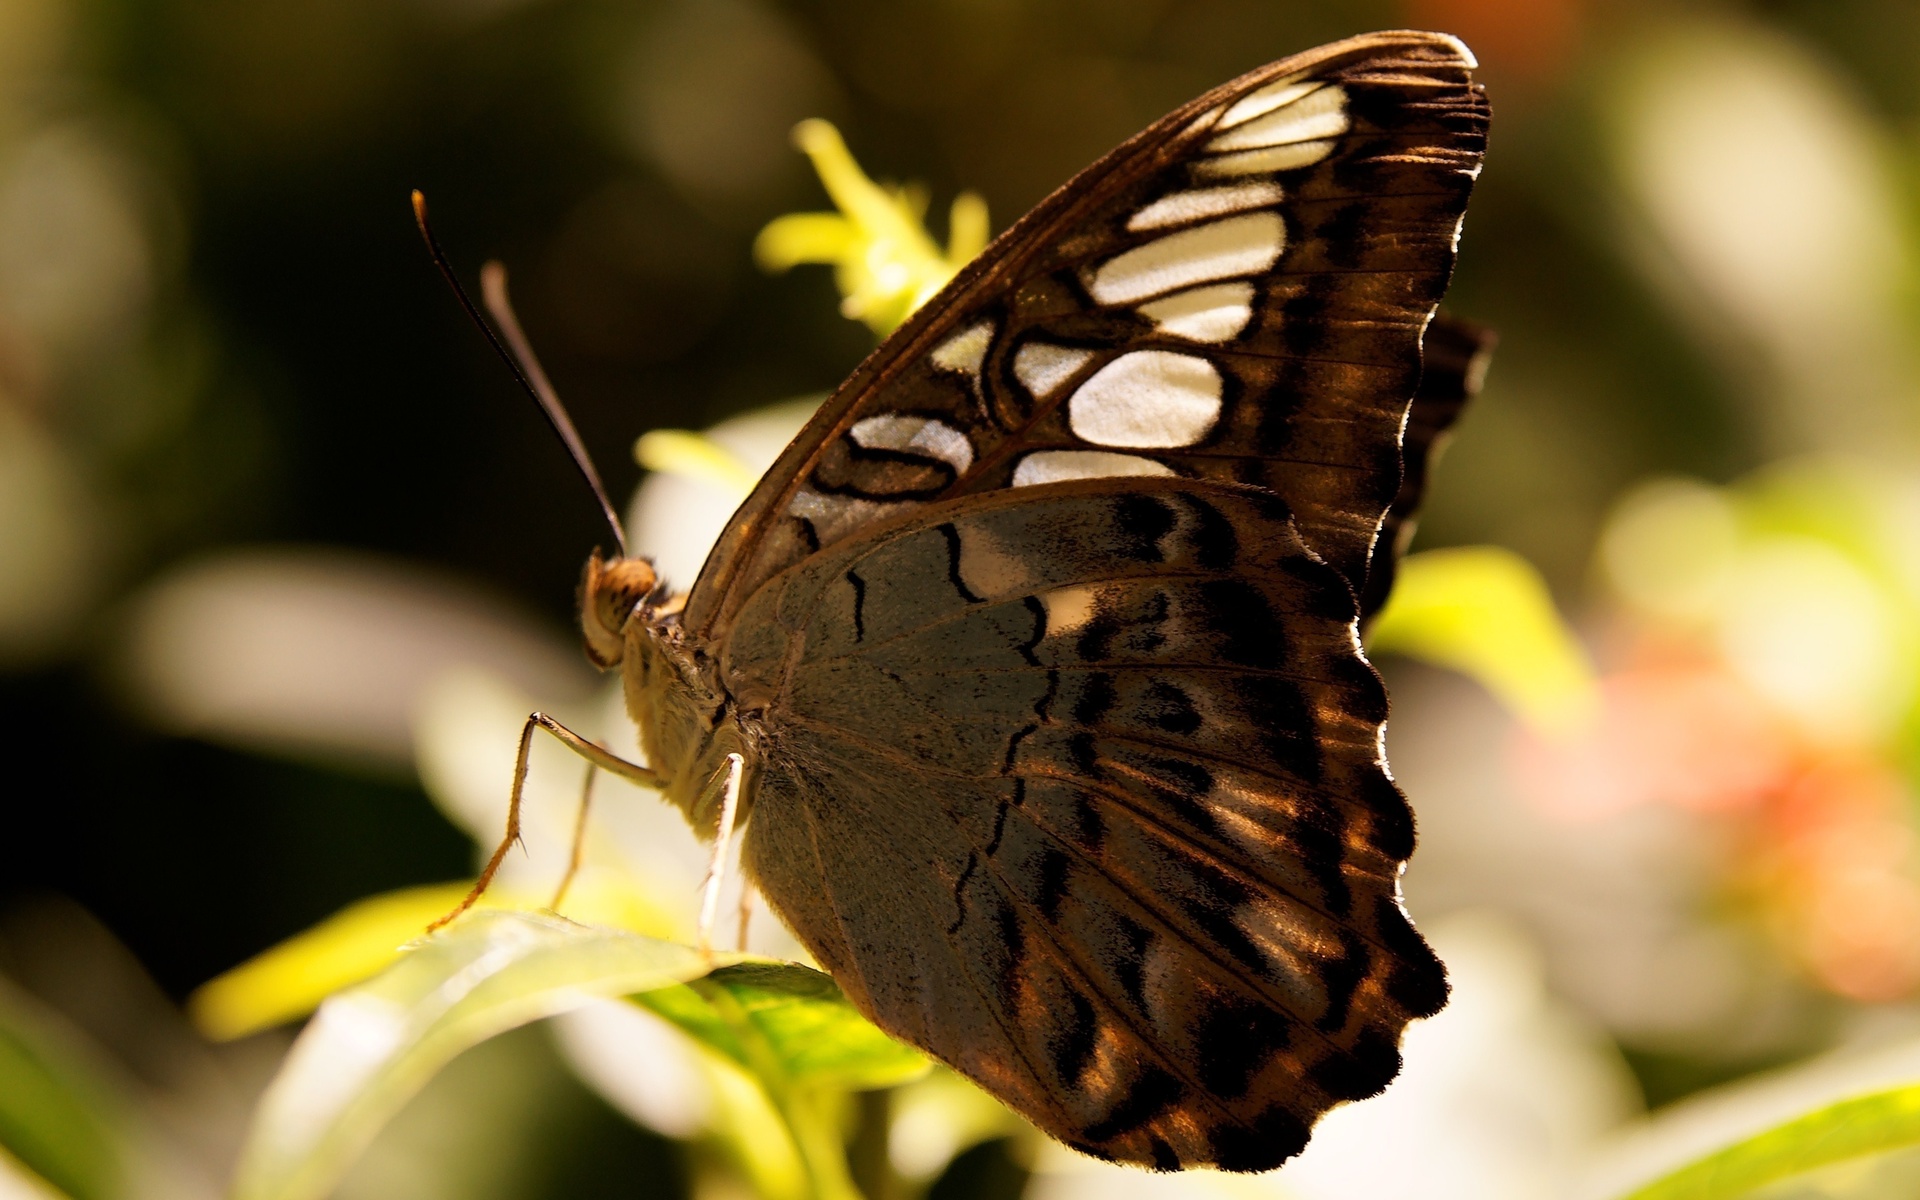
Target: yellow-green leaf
(799,1015)
(1485,612)
(58,1120)
(290,980)
(1852,1128)
(369,1049)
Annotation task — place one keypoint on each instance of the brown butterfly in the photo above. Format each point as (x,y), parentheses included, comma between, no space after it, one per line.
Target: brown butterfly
(1032,668)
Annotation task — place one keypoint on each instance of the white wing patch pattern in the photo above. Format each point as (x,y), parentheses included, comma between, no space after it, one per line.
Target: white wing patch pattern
(1320,113)
(916,435)
(1193,282)
(1259,162)
(1277,94)
(834,516)
(1182,208)
(1237,246)
(1054,466)
(1042,366)
(1148,399)
(1284,126)
(966,350)
(1205,314)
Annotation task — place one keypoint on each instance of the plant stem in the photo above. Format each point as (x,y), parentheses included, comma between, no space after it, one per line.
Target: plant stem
(808,1122)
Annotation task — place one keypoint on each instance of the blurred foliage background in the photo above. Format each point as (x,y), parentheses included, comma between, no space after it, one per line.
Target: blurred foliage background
(266,503)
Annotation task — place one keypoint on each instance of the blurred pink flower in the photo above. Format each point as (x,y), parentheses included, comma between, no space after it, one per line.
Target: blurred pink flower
(1672,730)
(1823,838)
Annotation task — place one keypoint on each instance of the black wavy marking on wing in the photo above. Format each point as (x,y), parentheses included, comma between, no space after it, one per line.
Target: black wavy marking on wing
(1150,924)
(1196,918)
(1014,972)
(1320,383)
(1302,860)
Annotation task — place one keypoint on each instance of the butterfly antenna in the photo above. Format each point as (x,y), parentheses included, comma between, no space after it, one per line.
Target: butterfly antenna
(519,358)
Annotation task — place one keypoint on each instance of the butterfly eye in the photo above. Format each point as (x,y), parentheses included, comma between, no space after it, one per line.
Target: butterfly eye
(610,595)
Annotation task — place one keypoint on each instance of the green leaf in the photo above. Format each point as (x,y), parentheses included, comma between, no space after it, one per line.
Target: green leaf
(1851,1128)
(290,980)
(369,1049)
(1485,612)
(798,1015)
(57,1118)
(792,1031)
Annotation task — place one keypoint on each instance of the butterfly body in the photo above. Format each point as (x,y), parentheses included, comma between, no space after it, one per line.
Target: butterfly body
(688,719)
(1040,645)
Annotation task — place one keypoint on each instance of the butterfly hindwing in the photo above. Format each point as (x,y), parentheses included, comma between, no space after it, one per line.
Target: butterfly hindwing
(1238,293)
(1080,790)
(1454,356)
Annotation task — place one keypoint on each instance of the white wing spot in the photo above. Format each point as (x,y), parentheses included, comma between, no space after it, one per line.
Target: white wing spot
(1207,314)
(1054,466)
(1148,398)
(1259,103)
(833,517)
(916,435)
(1181,208)
(1041,366)
(1261,162)
(1321,113)
(966,350)
(1244,245)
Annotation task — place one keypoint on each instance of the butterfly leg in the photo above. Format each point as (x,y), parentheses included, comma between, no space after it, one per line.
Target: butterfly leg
(572,741)
(579,839)
(716,866)
(746,911)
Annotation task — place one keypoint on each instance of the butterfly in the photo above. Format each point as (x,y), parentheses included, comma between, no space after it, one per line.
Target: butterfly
(1031,670)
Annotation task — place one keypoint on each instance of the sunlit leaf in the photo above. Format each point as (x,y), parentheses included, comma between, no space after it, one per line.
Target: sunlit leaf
(58,1120)
(1485,612)
(19,1183)
(754,1133)
(791,1030)
(290,980)
(369,1049)
(1870,1124)
(799,1015)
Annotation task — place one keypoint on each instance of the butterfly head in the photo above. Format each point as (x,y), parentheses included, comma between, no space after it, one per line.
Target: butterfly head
(615,593)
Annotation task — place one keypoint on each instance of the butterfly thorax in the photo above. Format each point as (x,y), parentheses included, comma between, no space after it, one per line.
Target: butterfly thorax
(688,723)
(673,690)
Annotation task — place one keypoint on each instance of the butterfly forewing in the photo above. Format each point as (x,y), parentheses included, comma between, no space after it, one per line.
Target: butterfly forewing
(1081,791)
(1238,293)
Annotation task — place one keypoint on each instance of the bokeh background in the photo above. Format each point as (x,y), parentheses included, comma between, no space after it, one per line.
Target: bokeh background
(263,493)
